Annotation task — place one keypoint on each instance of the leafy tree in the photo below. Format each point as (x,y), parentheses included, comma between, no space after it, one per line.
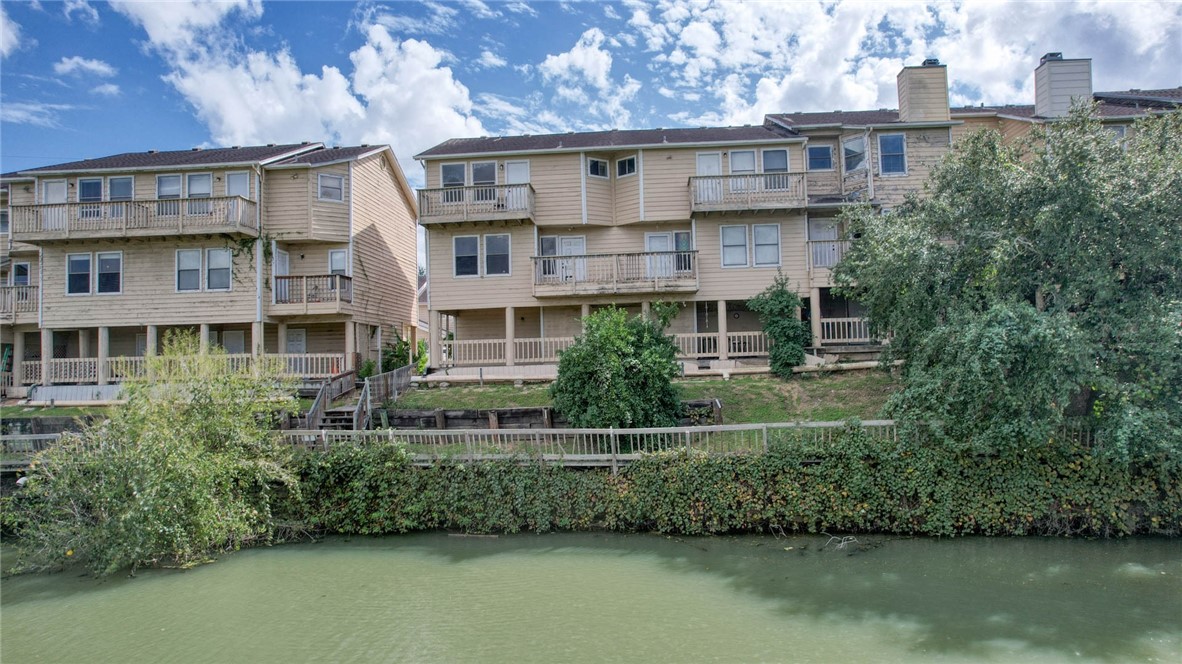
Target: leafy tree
(620,371)
(187,468)
(1035,282)
(778,308)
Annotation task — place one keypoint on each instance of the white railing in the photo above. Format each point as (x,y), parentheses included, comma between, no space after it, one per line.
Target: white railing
(826,253)
(844,330)
(473,352)
(311,365)
(692,346)
(476,203)
(18,299)
(5,379)
(747,344)
(642,270)
(30,372)
(540,349)
(117,218)
(73,370)
(748,191)
(318,288)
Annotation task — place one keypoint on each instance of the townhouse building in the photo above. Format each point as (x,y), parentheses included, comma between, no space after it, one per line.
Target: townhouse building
(527,234)
(303,251)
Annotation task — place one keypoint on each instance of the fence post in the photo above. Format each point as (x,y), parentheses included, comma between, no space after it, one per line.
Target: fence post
(764,439)
(615,451)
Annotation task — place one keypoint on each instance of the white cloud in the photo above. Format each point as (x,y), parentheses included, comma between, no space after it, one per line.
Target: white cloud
(587,62)
(80,65)
(479,9)
(10,34)
(32,113)
(490,60)
(440,20)
(521,8)
(610,12)
(106,90)
(588,65)
(83,9)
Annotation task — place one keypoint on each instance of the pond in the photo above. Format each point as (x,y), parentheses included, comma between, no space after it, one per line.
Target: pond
(619,598)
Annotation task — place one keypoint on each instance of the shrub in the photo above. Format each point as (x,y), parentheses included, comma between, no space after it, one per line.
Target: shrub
(778,308)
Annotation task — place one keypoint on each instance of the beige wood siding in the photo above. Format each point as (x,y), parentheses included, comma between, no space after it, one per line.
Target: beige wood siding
(824,183)
(1013,130)
(923,94)
(330,219)
(564,321)
(311,259)
(385,247)
(148,283)
(972,125)
(286,215)
(480,324)
(666,183)
(925,148)
(554,177)
(740,283)
(450,293)
(627,192)
(601,207)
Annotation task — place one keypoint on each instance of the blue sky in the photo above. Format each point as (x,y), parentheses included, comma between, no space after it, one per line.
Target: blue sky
(81,79)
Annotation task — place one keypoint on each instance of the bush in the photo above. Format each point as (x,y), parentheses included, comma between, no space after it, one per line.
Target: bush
(186,469)
(778,308)
(619,372)
(396,353)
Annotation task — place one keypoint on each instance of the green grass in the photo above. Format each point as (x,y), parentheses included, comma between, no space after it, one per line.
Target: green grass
(748,399)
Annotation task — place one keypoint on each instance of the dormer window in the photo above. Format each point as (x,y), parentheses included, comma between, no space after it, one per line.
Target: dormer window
(625,167)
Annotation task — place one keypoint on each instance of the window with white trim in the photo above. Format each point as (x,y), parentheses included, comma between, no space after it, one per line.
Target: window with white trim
(766,241)
(854,153)
(217,269)
(330,187)
(188,270)
(466,250)
(496,254)
(597,167)
(78,274)
(775,161)
(120,189)
(168,187)
(90,190)
(3,222)
(734,246)
(625,167)
(453,176)
(109,272)
(200,185)
(337,263)
(484,176)
(238,184)
(820,157)
(892,154)
(20,274)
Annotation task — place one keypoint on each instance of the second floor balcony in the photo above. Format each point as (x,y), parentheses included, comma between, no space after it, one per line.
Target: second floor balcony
(18,303)
(608,274)
(503,202)
(312,294)
(138,218)
(748,192)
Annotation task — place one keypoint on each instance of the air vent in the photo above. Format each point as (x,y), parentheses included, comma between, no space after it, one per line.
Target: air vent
(1056,55)
(931,62)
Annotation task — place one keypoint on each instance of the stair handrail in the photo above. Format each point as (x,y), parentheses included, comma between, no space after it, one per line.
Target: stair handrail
(318,407)
(361,410)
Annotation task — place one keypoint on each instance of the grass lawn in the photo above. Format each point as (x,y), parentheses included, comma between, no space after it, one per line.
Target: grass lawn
(748,399)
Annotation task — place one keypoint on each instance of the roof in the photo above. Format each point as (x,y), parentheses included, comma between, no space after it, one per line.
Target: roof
(614,139)
(328,155)
(180,158)
(881,116)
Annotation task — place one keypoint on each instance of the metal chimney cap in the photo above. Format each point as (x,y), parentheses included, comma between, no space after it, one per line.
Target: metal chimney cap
(1053,55)
(931,62)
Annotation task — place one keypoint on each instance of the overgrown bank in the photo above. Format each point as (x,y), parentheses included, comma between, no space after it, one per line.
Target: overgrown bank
(857,485)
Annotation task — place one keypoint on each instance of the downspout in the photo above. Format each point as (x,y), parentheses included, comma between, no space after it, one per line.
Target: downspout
(640,179)
(351,198)
(583,182)
(40,290)
(869,166)
(258,245)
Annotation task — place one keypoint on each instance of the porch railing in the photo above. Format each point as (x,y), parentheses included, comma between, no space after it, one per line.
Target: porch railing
(845,330)
(18,300)
(311,365)
(826,253)
(541,350)
(747,344)
(477,203)
(473,352)
(82,370)
(118,218)
(750,191)
(614,270)
(312,289)
(692,346)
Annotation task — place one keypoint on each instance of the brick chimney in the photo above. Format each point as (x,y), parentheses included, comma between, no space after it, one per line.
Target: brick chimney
(1058,81)
(923,92)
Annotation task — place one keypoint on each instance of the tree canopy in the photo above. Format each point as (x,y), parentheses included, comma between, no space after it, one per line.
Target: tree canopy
(1035,282)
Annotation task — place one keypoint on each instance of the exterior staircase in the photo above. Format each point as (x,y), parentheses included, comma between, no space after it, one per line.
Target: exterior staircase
(338,419)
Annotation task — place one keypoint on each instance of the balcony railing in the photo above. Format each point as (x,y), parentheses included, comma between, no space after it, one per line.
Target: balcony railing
(17,300)
(845,330)
(645,272)
(313,289)
(174,216)
(477,203)
(826,253)
(82,370)
(753,191)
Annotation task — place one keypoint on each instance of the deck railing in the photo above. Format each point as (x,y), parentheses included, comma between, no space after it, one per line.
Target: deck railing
(747,344)
(612,272)
(473,352)
(541,350)
(692,346)
(83,370)
(826,253)
(18,300)
(73,370)
(845,330)
(318,288)
(139,217)
(477,203)
(751,191)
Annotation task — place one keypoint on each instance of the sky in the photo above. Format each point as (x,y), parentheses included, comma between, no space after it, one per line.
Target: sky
(85,79)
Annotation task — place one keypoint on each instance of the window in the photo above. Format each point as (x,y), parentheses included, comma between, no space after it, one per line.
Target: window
(820,157)
(767,244)
(854,150)
(120,189)
(1118,135)
(683,244)
(496,254)
(234,341)
(548,246)
(336,261)
(3,222)
(168,187)
(20,274)
(625,167)
(452,176)
(238,184)
(90,190)
(775,161)
(734,246)
(188,270)
(200,185)
(597,167)
(892,154)
(466,249)
(742,163)
(78,274)
(484,176)
(217,269)
(110,272)
(331,187)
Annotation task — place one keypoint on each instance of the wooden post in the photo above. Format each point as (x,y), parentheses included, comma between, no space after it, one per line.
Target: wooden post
(723,342)
(104,350)
(256,338)
(434,333)
(84,343)
(494,420)
(815,315)
(615,452)
(510,337)
(586,312)
(203,342)
(18,359)
(645,309)
(440,419)
(350,345)
(547,418)
(281,338)
(46,353)
(152,341)
(717,411)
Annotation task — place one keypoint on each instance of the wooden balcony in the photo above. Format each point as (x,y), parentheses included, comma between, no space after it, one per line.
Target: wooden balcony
(18,304)
(503,202)
(89,370)
(232,215)
(826,254)
(315,294)
(845,331)
(608,274)
(749,192)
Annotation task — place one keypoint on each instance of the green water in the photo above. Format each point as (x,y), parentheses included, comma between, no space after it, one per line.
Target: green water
(618,598)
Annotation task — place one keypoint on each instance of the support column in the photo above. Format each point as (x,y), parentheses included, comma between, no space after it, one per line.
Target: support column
(83,343)
(586,312)
(510,337)
(646,308)
(724,345)
(281,338)
(434,331)
(256,338)
(350,345)
(815,314)
(203,342)
(18,358)
(46,353)
(150,344)
(104,351)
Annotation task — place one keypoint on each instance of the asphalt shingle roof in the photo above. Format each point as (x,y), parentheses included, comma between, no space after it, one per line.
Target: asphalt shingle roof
(326,155)
(604,139)
(178,158)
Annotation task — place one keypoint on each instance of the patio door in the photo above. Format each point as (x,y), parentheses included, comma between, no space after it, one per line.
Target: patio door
(516,172)
(53,192)
(281,268)
(660,265)
(572,268)
(234,341)
(710,189)
(297,341)
(823,235)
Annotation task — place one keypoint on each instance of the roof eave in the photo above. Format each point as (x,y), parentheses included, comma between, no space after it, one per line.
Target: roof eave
(611,148)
